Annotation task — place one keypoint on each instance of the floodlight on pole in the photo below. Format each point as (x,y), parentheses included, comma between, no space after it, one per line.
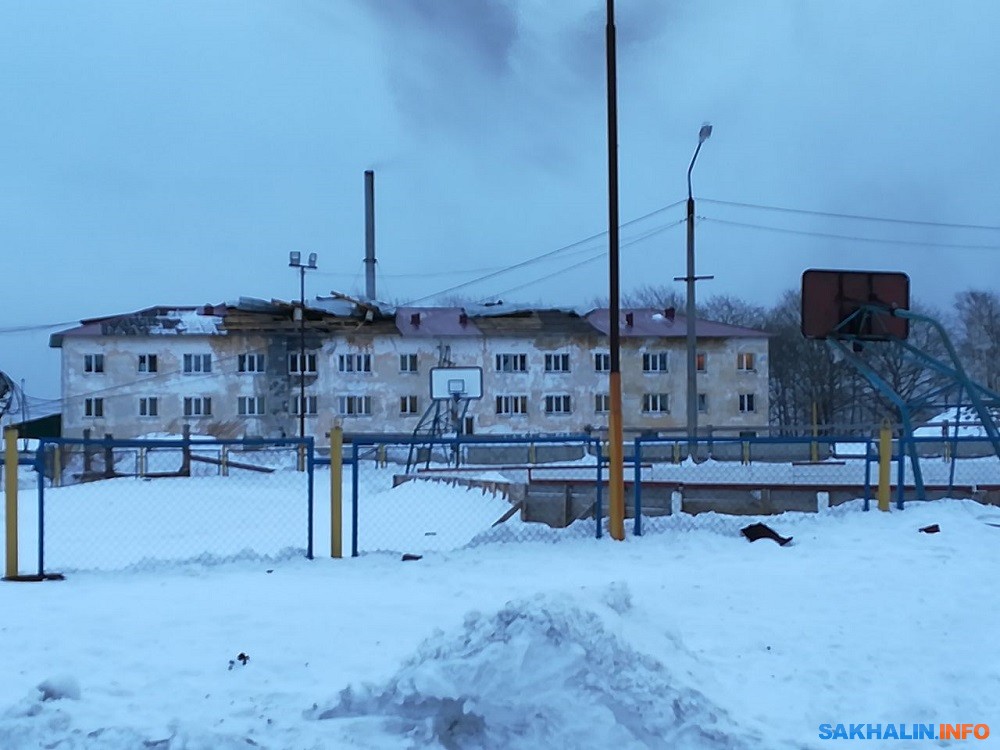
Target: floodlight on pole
(690,278)
(295,261)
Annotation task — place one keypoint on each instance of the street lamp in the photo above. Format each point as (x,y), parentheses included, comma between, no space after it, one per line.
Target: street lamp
(690,278)
(295,261)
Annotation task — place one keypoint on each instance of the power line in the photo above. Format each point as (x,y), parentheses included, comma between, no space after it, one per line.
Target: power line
(852,238)
(858,217)
(597,256)
(543,256)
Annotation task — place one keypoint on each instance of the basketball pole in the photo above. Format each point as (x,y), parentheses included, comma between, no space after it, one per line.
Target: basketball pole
(616,470)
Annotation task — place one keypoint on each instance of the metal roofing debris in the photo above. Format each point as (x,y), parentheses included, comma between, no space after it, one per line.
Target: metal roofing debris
(477,320)
(650,322)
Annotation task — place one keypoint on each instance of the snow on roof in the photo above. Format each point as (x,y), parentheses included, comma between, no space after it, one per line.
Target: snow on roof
(969,424)
(663,323)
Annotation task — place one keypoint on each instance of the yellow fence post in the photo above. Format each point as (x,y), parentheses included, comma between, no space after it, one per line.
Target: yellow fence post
(884,459)
(10,493)
(336,491)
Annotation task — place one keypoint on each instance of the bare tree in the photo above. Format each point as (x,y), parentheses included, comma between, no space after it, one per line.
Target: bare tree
(978,328)
(734,311)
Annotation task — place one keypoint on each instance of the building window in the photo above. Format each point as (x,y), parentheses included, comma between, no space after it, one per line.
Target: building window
(93,407)
(701,362)
(654,361)
(602,403)
(512,363)
(556,363)
(656,403)
(250,363)
(602,362)
(408,363)
(250,406)
(197,406)
(747,403)
(407,404)
(299,364)
(147,363)
(512,405)
(557,404)
(197,363)
(703,402)
(745,361)
(355,406)
(355,363)
(149,407)
(312,406)
(93,363)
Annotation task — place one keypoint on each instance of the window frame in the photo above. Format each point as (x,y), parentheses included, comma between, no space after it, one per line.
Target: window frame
(148,363)
(553,400)
(307,364)
(660,400)
(511,405)
(358,363)
(557,362)
(204,407)
(518,362)
(409,363)
(345,401)
(204,362)
(93,364)
(244,361)
(659,358)
(93,408)
(149,406)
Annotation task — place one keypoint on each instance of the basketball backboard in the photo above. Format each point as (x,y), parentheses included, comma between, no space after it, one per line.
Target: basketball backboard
(456,382)
(829,298)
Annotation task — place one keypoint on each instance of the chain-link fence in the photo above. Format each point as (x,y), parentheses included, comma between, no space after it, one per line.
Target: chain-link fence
(414,495)
(751,476)
(115,504)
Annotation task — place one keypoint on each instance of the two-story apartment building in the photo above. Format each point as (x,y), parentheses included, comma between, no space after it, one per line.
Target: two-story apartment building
(238,369)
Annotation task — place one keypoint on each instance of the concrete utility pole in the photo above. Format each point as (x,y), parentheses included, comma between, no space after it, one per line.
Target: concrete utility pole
(295,261)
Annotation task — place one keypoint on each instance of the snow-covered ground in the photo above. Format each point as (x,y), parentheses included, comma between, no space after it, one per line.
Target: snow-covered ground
(690,637)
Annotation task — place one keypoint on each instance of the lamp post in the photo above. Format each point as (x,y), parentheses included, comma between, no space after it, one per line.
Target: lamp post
(295,261)
(690,278)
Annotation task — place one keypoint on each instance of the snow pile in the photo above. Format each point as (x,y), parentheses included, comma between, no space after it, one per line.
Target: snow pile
(524,676)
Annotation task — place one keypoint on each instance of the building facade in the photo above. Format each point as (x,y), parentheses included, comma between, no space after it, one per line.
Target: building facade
(240,370)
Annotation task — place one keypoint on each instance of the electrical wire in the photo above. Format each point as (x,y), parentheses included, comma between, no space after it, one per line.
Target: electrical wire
(852,238)
(597,256)
(543,256)
(858,217)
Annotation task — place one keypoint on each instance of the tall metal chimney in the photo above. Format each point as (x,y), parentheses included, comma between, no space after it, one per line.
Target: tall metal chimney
(370,234)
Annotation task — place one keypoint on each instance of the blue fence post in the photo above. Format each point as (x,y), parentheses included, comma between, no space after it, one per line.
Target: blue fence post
(637,485)
(354,499)
(598,509)
(310,465)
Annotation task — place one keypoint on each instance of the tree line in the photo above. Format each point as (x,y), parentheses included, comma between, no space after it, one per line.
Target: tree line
(811,383)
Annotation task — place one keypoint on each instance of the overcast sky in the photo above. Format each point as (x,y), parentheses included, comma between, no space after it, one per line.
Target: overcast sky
(173,152)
